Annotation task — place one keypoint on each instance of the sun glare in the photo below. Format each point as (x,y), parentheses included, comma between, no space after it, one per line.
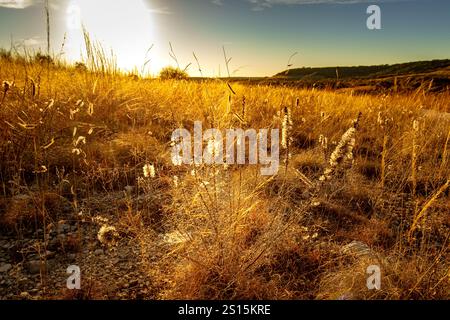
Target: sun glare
(124,26)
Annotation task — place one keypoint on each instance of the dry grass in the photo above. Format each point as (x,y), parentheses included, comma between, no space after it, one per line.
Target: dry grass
(211,232)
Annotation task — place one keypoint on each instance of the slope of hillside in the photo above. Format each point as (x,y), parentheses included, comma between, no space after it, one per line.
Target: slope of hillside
(360,72)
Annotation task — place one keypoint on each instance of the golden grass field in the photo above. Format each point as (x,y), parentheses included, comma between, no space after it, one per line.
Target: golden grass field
(74,145)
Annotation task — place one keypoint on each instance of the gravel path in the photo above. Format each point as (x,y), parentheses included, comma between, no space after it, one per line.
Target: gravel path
(27,271)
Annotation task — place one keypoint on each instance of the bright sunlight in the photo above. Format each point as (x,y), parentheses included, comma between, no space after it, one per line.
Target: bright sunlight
(125,26)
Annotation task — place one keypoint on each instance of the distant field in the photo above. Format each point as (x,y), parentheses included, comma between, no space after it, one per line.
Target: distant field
(367,72)
(433,76)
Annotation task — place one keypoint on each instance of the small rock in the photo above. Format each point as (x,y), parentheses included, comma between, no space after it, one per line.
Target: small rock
(5,267)
(134,283)
(34,266)
(38,232)
(22,281)
(53,244)
(67,208)
(72,256)
(61,228)
(98,252)
(49,254)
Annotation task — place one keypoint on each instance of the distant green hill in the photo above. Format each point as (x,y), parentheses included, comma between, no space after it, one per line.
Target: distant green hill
(364,72)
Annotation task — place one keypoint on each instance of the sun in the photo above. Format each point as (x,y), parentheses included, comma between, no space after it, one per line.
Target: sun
(124,26)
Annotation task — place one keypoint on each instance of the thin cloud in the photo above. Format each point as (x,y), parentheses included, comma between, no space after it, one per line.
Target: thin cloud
(33,42)
(163,10)
(16,4)
(23,4)
(217,2)
(259,5)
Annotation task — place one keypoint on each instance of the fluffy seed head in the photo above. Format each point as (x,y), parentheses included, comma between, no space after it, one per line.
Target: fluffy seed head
(6,85)
(149,171)
(416,125)
(108,235)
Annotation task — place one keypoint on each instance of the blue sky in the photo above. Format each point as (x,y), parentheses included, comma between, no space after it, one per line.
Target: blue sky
(259,35)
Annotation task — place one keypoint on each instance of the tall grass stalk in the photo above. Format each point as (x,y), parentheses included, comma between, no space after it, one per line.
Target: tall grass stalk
(414,157)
